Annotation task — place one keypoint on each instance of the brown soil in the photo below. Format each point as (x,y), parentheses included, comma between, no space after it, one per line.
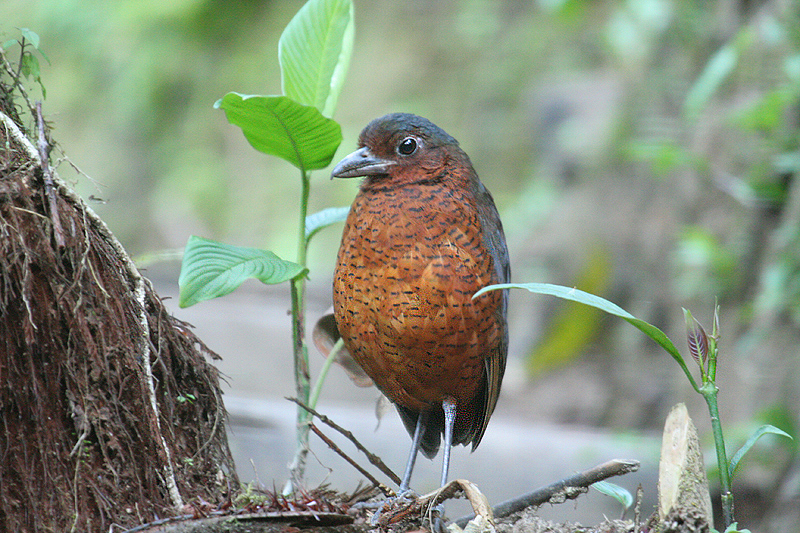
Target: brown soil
(111,412)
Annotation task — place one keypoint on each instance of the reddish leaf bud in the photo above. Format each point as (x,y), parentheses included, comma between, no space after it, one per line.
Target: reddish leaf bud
(697,338)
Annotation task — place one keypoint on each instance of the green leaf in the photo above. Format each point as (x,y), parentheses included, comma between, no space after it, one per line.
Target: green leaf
(212,269)
(30,36)
(663,156)
(733,528)
(324,218)
(768,112)
(279,126)
(30,66)
(148,259)
(716,71)
(573,325)
(763,430)
(576,295)
(621,494)
(314,52)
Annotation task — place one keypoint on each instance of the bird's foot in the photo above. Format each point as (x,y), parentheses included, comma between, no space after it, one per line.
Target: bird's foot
(394,508)
(437,519)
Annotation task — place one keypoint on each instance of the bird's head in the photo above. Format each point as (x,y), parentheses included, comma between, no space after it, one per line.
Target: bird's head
(399,149)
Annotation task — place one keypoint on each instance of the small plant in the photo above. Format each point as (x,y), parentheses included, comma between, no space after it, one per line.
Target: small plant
(186,398)
(250,496)
(704,351)
(28,62)
(620,494)
(314,52)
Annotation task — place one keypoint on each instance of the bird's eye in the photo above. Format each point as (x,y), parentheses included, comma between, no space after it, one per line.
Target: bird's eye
(407,146)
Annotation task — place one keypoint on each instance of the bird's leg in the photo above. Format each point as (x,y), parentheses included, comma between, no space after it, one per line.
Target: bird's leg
(403,491)
(412,456)
(449,408)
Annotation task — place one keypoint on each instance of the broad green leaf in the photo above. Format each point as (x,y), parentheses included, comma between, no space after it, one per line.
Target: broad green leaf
(212,269)
(314,52)
(29,65)
(324,218)
(576,295)
(279,126)
(763,430)
(621,494)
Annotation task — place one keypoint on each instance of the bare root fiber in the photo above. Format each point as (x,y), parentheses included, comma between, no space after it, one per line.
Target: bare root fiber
(111,412)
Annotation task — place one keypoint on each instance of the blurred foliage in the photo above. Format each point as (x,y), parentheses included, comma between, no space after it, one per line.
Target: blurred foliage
(666,130)
(573,325)
(28,65)
(663,131)
(703,265)
(133,85)
(153,69)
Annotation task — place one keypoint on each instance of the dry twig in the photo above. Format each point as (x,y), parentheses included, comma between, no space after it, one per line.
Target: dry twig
(558,492)
(374,459)
(47,176)
(332,445)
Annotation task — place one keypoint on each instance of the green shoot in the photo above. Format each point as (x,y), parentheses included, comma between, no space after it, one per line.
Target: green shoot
(314,52)
(704,350)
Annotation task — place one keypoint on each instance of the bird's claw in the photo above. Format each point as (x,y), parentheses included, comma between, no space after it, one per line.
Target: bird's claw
(407,495)
(395,508)
(437,519)
(406,503)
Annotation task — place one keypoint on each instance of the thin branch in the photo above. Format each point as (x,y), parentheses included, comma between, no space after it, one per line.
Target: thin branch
(332,445)
(374,459)
(560,491)
(14,132)
(47,174)
(19,63)
(637,510)
(147,368)
(15,77)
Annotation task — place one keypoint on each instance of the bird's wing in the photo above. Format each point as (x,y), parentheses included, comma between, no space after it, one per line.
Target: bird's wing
(494,241)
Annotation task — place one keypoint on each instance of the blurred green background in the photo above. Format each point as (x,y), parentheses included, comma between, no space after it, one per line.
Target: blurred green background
(646,151)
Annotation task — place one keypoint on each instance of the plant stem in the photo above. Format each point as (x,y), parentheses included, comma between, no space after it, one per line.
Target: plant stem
(302,376)
(312,400)
(709,392)
(302,242)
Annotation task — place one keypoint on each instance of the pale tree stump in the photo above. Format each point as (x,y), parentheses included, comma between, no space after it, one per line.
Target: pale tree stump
(684,503)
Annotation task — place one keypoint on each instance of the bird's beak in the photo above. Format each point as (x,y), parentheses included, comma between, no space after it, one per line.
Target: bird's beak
(361,163)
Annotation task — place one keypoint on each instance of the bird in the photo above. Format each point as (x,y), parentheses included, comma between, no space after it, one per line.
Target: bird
(421,237)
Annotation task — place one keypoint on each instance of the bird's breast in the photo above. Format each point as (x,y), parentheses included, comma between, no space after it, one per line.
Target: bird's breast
(409,263)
